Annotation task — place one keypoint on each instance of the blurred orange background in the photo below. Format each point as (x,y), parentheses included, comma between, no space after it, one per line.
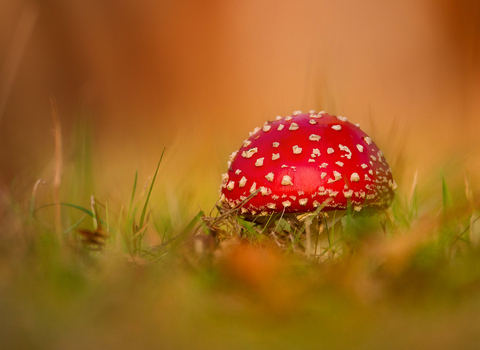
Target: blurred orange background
(196,76)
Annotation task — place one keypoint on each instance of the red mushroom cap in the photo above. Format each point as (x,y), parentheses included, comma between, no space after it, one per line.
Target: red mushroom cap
(303,161)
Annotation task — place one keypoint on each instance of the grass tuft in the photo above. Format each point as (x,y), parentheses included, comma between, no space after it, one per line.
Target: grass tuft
(221,280)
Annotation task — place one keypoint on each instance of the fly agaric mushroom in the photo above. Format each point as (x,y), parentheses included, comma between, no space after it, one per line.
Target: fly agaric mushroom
(301,162)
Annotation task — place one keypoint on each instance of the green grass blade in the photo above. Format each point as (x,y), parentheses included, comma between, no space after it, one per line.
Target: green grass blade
(446,199)
(248,226)
(74,225)
(178,238)
(106,218)
(133,195)
(144,211)
(271,219)
(86,211)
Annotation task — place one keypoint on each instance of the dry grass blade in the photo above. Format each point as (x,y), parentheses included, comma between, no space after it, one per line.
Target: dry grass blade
(414,187)
(14,55)
(57,178)
(34,196)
